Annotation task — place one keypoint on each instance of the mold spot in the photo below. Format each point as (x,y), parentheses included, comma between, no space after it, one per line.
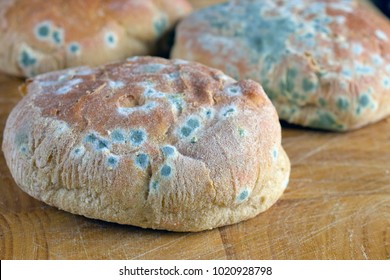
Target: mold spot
(68,86)
(179,61)
(357,48)
(364,70)
(174,76)
(233,90)
(364,100)
(242,132)
(117,136)
(150,68)
(193,123)
(42,30)
(176,101)
(386,82)
(208,113)
(98,142)
(58,36)
(168,150)
(160,25)
(91,138)
(102,144)
(21,141)
(61,127)
(322,102)
(166,170)
(377,59)
(381,35)
(112,161)
(84,71)
(287,86)
(308,85)
(194,140)
(26,59)
(142,161)
(228,111)
(186,131)
(137,137)
(243,195)
(132,58)
(342,7)
(325,120)
(346,72)
(274,153)
(74,48)
(116,84)
(153,186)
(111,39)
(342,103)
(78,151)
(144,108)
(152,93)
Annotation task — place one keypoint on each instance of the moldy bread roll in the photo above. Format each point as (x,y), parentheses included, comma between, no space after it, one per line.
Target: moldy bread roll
(148,142)
(37,36)
(324,64)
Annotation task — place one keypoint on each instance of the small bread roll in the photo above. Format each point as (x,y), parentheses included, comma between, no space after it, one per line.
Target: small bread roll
(37,36)
(323,63)
(148,142)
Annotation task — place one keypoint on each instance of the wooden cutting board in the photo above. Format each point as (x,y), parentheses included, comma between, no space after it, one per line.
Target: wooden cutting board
(337,206)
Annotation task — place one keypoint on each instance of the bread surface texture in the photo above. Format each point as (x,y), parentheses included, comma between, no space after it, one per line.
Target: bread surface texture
(148,142)
(324,64)
(37,36)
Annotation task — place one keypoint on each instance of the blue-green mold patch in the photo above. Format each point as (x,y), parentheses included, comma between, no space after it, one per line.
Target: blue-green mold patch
(342,103)
(98,142)
(160,25)
(325,120)
(26,59)
(74,48)
(42,30)
(243,195)
(111,39)
(112,161)
(118,136)
(228,111)
(142,161)
(308,85)
(166,170)
(364,100)
(137,137)
(168,150)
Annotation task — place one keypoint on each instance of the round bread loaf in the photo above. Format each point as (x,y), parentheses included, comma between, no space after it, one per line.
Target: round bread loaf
(324,64)
(37,37)
(148,142)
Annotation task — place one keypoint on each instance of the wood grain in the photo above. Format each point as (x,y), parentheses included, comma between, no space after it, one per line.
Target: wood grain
(337,206)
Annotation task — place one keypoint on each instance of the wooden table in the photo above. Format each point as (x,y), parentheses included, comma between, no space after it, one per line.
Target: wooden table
(337,206)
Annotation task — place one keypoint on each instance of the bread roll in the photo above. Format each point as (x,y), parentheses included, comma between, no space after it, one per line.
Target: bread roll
(38,36)
(324,64)
(148,142)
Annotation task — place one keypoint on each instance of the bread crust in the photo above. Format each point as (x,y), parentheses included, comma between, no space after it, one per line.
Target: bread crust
(148,142)
(324,64)
(37,37)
